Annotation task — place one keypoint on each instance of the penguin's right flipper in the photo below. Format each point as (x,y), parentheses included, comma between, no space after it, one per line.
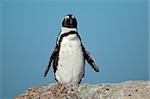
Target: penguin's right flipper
(90,59)
(50,60)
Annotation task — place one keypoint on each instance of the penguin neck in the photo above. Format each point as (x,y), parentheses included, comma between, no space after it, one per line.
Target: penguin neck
(66,30)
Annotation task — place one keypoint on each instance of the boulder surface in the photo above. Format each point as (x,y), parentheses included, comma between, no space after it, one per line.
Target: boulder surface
(125,90)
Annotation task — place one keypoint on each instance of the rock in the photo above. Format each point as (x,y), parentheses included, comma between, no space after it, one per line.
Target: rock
(124,90)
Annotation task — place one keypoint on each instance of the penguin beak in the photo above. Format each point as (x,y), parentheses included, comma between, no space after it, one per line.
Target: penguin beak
(71,21)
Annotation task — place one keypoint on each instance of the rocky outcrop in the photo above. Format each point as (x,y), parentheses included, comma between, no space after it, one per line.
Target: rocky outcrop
(124,90)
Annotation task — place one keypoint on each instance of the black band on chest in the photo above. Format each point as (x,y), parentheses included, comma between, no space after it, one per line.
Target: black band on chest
(69,33)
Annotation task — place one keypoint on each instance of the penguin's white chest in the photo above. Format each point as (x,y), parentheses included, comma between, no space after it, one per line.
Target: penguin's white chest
(70,67)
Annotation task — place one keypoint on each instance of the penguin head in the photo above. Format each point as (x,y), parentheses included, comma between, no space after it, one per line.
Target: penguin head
(69,21)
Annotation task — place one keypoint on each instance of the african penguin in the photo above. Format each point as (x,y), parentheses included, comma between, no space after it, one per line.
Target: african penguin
(69,54)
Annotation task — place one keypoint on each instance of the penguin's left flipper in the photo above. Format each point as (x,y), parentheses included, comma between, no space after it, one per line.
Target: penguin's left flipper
(50,60)
(90,60)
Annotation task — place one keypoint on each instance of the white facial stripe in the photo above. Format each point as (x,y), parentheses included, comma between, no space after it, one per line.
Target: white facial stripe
(66,17)
(72,16)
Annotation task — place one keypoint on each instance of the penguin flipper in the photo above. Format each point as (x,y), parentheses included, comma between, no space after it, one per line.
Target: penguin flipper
(50,60)
(90,59)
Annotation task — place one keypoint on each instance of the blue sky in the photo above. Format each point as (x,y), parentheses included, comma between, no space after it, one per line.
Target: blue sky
(0,49)
(115,32)
(149,37)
